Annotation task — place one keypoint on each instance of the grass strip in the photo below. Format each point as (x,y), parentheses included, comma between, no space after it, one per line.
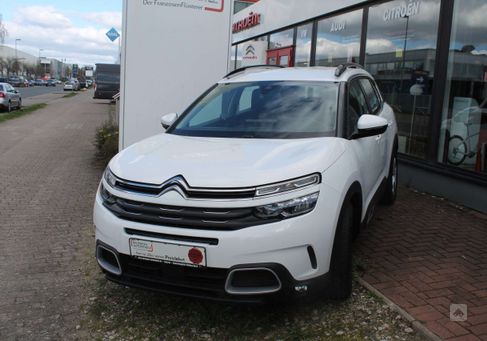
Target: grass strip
(24,111)
(71,94)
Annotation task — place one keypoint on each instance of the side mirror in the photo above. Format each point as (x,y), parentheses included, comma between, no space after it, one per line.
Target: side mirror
(370,125)
(168,119)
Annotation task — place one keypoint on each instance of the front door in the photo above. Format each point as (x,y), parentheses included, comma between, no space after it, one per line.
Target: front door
(282,56)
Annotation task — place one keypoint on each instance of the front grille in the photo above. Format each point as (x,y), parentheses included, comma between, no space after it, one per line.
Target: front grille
(180,185)
(227,219)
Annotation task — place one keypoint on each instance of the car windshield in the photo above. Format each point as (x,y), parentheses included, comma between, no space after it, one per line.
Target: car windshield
(273,109)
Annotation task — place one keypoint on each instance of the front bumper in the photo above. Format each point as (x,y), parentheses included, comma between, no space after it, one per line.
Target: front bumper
(297,250)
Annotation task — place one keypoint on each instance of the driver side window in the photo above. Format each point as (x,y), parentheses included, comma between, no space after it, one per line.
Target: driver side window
(357,106)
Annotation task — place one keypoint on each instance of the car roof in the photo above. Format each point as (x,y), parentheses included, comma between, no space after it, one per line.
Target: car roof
(314,74)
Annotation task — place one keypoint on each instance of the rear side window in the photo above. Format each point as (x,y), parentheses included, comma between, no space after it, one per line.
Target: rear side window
(1,88)
(370,94)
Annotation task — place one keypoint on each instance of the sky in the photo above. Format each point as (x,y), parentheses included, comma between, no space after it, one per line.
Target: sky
(71,30)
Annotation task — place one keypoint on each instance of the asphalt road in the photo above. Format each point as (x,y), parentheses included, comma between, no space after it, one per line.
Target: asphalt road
(39,90)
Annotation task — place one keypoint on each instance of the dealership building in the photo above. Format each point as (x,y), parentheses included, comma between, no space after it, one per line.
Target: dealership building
(429,58)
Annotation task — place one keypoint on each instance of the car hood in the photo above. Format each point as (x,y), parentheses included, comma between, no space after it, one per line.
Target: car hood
(224,162)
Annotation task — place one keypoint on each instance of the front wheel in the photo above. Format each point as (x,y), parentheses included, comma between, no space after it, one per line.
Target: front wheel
(340,281)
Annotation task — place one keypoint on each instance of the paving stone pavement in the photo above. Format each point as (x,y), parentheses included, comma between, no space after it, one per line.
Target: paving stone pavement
(425,254)
(48,177)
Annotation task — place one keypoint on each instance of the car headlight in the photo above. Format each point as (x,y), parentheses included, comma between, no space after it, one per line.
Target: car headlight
(287,186)
(109,177)
(289,208)
(107,197)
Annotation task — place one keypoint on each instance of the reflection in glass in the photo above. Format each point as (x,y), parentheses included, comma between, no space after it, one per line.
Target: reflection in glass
(400,54)
(303,45)
(339,39)
(463,141)
(282,39)
(233,60)
(238,63)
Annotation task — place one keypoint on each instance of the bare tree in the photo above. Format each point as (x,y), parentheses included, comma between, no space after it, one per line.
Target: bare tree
(3,31)
(10,65)
(3,65)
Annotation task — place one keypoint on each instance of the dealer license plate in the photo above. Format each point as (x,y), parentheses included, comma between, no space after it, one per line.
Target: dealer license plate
(168,253)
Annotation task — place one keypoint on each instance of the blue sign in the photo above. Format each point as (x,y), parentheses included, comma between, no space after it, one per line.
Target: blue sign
(113,34)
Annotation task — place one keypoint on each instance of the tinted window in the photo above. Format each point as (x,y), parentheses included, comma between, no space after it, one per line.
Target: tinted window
(338,39)
(282,39)
(401,56)
(303,45)
(370,94)
(263,110)
(107,78)
(357,106)
(463,141)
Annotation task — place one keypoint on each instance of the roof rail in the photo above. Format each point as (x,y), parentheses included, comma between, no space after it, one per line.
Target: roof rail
(342,67)
(242,69)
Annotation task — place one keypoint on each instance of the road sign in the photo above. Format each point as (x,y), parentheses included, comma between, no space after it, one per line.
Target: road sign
(112,34)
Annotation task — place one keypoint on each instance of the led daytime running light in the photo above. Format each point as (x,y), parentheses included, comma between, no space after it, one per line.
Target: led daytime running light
(288,185)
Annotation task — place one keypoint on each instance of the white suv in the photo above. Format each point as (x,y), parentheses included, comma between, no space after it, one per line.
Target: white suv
(255,191)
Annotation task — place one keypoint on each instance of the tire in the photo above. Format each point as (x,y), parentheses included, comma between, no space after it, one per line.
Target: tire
(457,150)
(390,192)
(19,106)
(340,281)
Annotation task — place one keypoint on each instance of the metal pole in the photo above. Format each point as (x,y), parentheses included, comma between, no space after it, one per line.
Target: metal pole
(16,57)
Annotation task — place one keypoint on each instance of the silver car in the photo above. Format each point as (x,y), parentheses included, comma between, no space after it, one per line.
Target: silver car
(9,97)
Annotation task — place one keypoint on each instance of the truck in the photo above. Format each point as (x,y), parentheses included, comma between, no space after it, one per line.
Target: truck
(107,81)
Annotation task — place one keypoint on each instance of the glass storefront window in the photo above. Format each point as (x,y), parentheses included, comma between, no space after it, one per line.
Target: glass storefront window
(238,63)
(303,45)
(338,39)
(282,39)
(463,141)
(233,56)
(400,54)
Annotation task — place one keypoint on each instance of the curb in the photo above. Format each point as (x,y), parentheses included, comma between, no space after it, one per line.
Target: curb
(417,325)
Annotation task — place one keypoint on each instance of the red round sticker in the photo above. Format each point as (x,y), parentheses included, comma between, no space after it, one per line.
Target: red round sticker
(195,256)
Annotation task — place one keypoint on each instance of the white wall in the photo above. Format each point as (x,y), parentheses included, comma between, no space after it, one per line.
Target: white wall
(170,56)
(276,14)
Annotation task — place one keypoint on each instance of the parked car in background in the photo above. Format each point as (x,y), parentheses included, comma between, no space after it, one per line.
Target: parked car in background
(89,83)
(256,191)
(16,81)
(10,98)
(82,84)
(69,86)
(32,82)
(40,82)
(51,82)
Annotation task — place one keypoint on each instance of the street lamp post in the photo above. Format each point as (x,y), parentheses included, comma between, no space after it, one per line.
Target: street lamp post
(40,64)
(16,57)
